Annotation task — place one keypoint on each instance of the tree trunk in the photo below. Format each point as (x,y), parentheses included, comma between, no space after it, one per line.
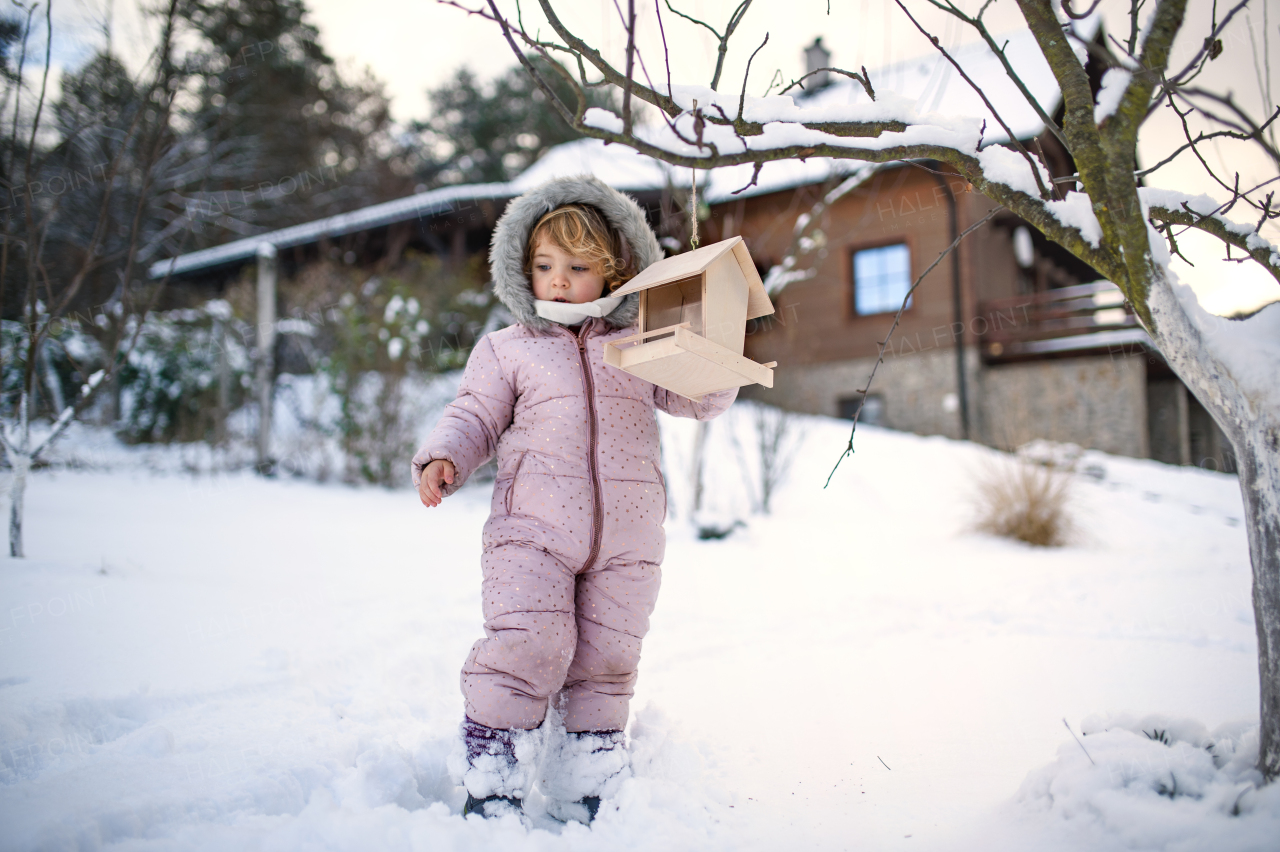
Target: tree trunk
(699,463)
(266,352)
(224,385)
(1258,454)
(17,491)
(51,380)
(1252,421)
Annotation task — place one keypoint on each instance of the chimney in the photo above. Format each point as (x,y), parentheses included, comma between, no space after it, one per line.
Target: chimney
(816,56)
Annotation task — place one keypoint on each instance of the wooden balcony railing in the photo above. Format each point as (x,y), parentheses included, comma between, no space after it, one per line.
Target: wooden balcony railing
(1085,319)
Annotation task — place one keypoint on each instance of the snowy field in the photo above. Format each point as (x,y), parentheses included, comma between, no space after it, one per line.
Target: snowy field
(223,662)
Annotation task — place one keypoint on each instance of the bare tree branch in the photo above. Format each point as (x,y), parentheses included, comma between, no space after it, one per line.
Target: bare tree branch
(1236,195)
(1076,16)
(1247,124)
(734,19)
(666,52)
(1085,144)
(742,98)
(1135,6)
(631,58)
(1122,127)
(755,175)
(864,78)
(1204,137)
(977,24)
(581,48)
(897,318)
(1206,50)
(569,116)
(1013,138)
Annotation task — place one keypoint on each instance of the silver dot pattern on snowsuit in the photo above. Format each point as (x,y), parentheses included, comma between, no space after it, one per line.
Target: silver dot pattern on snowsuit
(566,599)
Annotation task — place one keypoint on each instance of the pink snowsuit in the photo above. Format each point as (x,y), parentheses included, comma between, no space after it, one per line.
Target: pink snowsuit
(574,540)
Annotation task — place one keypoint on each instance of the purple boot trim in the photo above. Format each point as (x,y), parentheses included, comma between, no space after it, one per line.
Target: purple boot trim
(609,740)
(496,761)
(481,739)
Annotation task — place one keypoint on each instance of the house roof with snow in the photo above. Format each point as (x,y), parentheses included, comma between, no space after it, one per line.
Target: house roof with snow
(931,81)
(938,89)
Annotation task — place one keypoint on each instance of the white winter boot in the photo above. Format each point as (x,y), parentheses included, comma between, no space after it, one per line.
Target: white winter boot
(580,769)
(496,766)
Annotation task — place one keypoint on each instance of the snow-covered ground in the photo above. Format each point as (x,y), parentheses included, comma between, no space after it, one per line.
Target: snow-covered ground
(223,662)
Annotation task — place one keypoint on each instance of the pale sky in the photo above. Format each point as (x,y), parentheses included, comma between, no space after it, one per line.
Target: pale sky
(429,40)
(412,45)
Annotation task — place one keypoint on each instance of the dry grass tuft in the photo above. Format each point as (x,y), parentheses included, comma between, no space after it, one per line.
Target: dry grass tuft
(1024,501)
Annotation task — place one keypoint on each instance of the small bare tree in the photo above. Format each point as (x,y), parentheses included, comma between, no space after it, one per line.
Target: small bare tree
(698,466)
(776,436)
(111,142)
(1103,214)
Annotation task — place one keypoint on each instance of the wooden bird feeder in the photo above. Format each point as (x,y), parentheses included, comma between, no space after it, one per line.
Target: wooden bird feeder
(694,309)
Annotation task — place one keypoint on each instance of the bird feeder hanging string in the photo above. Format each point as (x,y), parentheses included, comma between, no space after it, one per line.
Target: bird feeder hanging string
(693,210)
(693,200)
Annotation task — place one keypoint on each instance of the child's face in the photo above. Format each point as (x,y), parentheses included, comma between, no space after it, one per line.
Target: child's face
(560,277)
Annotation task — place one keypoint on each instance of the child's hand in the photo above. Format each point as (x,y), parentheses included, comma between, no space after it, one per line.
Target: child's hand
(429,481)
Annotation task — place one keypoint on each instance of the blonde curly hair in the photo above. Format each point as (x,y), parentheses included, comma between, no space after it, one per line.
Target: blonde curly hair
(581,231)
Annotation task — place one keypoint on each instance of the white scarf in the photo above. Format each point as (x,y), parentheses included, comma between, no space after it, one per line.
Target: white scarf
(572,313)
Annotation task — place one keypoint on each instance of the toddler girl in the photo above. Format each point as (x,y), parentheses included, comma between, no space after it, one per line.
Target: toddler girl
(574,539)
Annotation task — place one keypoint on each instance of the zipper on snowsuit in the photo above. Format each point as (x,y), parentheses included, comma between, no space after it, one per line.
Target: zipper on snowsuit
(597,513)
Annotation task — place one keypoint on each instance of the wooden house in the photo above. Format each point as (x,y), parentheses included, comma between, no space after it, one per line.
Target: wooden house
(1009,340)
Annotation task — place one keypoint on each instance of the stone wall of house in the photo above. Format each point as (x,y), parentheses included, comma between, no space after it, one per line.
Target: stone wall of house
(914,393)
(1169,421)
(1182,431)
(1096,402)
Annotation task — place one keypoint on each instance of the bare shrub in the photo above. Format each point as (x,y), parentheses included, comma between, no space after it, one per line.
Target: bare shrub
(378,343)
(1025,501)
(380,425)
(776,436)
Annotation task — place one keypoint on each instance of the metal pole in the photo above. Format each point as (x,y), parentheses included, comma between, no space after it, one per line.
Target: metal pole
(224,383)
(266,351)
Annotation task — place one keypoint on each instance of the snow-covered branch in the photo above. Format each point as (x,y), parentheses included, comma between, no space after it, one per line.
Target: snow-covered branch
(69,414)
(1120,131)
(1201,212)
(977,23)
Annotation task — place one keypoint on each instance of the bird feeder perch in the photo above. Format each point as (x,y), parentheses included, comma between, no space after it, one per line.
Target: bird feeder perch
(694,309)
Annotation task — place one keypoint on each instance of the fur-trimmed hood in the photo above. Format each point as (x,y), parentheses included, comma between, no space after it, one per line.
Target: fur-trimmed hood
(506,254)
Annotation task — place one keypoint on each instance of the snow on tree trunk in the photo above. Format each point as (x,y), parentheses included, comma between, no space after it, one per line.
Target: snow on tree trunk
(1221,362)
(22,454)
(1259,462)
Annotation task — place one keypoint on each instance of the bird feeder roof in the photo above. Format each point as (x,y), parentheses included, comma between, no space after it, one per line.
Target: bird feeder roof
(692,263)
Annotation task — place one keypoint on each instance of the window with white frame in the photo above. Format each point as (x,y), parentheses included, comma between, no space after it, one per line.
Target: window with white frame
(881,278)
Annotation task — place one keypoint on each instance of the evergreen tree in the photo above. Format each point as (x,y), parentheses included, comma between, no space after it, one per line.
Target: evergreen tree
(304,140)
(479,133)
(10,35)
(101,119)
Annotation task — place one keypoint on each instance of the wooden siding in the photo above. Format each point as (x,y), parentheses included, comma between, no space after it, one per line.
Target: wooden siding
(815,320)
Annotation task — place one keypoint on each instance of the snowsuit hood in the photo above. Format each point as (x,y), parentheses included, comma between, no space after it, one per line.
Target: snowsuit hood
(506,253)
